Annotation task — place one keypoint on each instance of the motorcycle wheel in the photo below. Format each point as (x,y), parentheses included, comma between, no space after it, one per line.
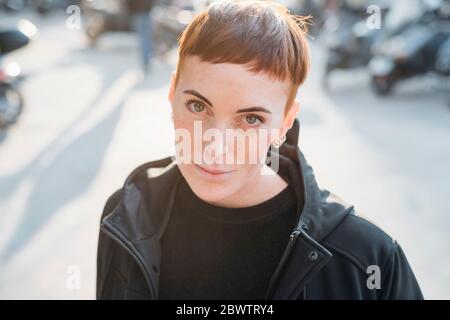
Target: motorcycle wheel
(447,92)
(382,87)
(11,106)
(325,81)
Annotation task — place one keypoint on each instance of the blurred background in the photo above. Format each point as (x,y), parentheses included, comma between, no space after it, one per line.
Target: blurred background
(83,101)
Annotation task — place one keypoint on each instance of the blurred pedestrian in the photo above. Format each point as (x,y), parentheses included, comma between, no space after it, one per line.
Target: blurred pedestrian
(139,11)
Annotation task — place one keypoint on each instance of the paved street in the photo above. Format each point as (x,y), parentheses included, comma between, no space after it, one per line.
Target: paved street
(90,119)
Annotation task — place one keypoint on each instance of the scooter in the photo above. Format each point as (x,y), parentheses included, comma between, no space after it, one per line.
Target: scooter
(169,21)
(411,52)
(348,39)
(11,99)
(14,5)
(102,16)
(40,6)
(443,66)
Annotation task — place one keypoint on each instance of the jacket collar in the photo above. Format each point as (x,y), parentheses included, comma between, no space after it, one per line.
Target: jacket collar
(313,216)
(150,188)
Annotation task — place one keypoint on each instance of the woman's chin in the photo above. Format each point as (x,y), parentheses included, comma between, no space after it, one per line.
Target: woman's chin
(210,192)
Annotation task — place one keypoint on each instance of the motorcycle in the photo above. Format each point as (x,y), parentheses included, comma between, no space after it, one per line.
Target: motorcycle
(316,9)
(102,16)
(169,21)
(443,66)
(14,5)
(40,6)
(11,99)
(412,51)
(348,38)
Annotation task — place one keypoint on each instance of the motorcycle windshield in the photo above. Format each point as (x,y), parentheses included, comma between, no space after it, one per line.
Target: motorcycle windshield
(11,40)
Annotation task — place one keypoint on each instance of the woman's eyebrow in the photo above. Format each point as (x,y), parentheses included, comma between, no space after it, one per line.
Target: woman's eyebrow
(253,109)
(198,95)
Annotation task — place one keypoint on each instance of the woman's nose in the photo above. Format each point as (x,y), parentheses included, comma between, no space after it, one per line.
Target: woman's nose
(216,150)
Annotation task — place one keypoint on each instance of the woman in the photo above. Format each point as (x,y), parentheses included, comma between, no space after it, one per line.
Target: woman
(241,220)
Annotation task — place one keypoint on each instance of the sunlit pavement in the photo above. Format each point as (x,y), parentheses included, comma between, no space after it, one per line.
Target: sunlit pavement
(90,118)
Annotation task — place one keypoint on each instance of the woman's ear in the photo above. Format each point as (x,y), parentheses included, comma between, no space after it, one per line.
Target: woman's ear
(294,109)
(172,87)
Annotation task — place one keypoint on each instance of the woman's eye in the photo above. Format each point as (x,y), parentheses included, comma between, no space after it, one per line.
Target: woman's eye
(195,106)
(198,107)
(251,119)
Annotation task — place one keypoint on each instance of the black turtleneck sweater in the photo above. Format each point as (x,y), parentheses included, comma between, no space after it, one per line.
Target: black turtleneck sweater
(212,252)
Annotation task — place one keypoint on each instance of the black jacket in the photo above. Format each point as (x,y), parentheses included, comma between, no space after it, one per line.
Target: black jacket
(332,253)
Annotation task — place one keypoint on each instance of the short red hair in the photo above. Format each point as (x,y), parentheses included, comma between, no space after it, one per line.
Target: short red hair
(262,34)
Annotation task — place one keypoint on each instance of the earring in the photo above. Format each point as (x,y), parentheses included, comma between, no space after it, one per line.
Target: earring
(171,116)
(278,142)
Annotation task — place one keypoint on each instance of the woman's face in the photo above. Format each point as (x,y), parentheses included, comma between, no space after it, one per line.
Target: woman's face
(225,119)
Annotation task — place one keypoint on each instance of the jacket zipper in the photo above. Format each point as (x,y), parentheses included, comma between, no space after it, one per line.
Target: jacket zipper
(131,250)
(286,253)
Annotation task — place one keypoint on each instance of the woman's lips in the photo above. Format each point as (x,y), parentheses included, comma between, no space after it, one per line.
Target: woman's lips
(215,172)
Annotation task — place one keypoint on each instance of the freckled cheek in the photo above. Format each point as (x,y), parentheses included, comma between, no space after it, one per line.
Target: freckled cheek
(183,123)
(183,133)
(181,114)
(183,119)
(190,140)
